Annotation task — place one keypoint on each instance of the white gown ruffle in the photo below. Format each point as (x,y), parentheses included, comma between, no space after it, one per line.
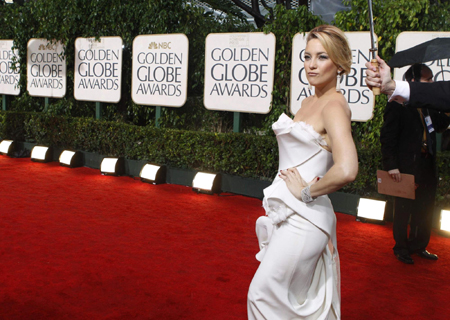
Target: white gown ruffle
(299,276)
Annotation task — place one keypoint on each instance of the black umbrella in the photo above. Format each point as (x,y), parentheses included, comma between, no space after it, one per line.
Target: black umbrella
(438,48)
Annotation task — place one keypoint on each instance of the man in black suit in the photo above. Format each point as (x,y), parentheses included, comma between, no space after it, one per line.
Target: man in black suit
(417,95)
(408,145)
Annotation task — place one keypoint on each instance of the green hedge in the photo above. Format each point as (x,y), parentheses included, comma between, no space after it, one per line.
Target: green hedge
(244,155)
(234,153)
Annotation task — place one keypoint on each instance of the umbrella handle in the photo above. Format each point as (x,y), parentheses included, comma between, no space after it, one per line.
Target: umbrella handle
(376,91)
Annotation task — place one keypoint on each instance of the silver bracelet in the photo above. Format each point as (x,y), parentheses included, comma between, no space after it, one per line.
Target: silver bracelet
(306,195)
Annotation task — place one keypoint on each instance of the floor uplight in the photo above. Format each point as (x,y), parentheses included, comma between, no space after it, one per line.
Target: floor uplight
(6,147)
(41,154)
(445,220)
(71,159)
(153,174)
(370,210)
(206,183)
(112,166)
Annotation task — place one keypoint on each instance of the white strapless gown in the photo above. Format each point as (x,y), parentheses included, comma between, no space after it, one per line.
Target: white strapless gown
(299,276)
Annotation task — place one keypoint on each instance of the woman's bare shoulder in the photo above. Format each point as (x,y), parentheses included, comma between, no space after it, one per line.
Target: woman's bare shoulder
(337,105)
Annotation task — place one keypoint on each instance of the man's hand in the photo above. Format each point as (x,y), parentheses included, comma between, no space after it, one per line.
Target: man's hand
(381,79)
(395,175)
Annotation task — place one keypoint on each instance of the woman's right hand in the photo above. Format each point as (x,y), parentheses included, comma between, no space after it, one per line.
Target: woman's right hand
(295,182)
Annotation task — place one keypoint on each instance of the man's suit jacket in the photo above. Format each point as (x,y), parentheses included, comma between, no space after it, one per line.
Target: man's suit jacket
(434,95)
(402,134)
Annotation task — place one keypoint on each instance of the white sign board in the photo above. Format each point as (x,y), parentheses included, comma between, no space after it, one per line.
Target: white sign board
(239,70)
(46,69)
(9,77)
(359,97)
(160,70)
(98,69)
(409,39)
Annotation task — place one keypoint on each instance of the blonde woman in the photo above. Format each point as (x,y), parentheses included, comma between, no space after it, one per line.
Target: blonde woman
(298,277)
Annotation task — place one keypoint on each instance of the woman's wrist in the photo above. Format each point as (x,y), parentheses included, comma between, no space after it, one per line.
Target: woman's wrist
(306,195)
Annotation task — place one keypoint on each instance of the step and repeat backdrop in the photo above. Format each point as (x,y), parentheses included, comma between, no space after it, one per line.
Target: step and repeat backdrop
(239,70)
(46,69)
(98,69)
(160,70)
(9,68)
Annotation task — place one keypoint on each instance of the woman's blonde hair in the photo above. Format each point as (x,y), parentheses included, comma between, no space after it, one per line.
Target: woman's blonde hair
(335,43)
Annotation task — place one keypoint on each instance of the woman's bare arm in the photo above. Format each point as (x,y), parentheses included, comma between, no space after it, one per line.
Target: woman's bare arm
(337,123)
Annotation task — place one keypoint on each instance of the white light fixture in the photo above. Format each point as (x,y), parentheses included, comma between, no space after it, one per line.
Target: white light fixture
(445,220)
(112,166)
(206,183)
(371,210)
(71,159)
(41,154)
(153,174)
(6,147)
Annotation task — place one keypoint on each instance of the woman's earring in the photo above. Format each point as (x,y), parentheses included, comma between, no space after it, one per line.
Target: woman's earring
(338,82)
(309,86)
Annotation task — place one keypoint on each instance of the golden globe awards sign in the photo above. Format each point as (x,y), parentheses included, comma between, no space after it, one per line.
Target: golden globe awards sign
(409,39)
(353,87)
(239,70)
(98,69)
(9,77)
(46,69)
(160,69)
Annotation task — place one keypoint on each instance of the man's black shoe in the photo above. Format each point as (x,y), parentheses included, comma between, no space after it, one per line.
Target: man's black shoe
(425,254)
(405,258)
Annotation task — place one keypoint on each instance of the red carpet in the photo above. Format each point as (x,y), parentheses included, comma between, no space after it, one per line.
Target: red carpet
(78,245)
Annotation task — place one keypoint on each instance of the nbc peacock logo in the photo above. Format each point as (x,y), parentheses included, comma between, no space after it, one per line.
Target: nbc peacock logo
(161,45)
